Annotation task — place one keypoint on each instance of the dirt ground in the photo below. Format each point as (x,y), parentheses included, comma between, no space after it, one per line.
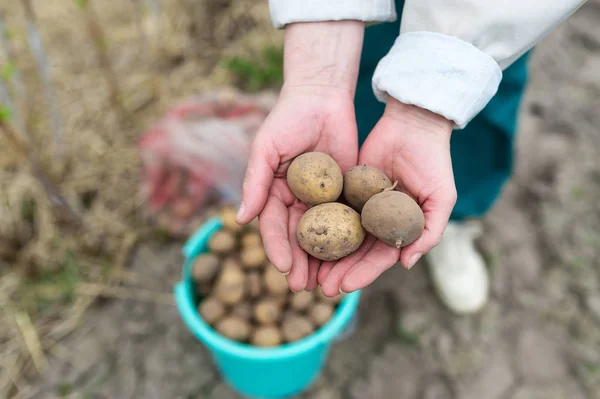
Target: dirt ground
(539,337)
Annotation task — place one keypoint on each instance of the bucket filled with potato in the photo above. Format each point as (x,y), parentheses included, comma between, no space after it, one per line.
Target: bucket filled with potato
(266,340)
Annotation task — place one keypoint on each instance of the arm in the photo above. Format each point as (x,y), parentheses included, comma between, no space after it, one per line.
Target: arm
(450,54)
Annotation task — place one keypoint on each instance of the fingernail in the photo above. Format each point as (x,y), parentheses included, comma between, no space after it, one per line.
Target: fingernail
(241,211)
(413,260)
(342,291)
(286,273)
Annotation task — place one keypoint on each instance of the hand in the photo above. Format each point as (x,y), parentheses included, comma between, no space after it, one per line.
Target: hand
(411,146)
(315,112)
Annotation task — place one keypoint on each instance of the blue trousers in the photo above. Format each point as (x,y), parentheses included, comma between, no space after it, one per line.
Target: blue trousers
(482,152)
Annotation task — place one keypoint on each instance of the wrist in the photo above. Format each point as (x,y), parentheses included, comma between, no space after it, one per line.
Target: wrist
(417,117)
(323,57)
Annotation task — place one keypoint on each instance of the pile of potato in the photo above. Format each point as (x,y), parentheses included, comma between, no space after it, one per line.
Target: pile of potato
(330,229)
(245,298)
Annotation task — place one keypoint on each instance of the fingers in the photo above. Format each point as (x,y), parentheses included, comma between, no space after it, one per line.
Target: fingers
(332,282)
(257,181)
(437,210)
(314,265)
(379,258)
(273,223)
(298,276)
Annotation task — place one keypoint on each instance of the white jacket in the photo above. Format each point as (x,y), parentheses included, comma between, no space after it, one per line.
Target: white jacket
(449,55)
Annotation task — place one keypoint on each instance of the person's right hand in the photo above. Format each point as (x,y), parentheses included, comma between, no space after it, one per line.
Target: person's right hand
(315,112)
(302,121)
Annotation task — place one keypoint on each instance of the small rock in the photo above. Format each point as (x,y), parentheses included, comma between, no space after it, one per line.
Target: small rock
(593,304)
(493,382)
(539,358)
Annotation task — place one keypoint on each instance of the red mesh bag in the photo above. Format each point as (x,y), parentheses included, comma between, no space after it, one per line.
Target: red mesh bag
(197,155)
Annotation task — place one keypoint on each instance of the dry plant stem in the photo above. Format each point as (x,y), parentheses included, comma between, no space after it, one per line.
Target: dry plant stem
(35,43)
(32,341)
(29,153)
(97,35)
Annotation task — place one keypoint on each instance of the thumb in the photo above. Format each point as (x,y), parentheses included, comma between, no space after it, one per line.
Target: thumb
(263,160)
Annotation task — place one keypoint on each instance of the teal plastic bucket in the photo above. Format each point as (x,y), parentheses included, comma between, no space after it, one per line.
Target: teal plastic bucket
(278,372)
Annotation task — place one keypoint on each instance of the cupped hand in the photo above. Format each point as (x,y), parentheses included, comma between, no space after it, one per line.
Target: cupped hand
(411,146)
(305,119)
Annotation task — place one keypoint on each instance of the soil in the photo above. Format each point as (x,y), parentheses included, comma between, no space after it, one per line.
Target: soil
(539,337)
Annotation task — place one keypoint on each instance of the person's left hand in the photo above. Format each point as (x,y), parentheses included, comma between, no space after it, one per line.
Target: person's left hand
(411,146)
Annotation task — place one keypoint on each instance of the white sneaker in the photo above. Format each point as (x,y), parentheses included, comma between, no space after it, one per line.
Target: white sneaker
(458,270)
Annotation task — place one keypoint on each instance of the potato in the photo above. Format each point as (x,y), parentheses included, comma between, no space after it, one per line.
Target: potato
(295,327)
(301,300)
(275,282)
(228,214)
(234,328)
(253,257)
(221,242)
(251,239)
(183,208)
(315,178)
(361,183)
(330,231)
(393,217)
(266,336)
(267,311)
(211,310)
(254,283)
(243,310)
(205,268)
(230,286)
(321,312)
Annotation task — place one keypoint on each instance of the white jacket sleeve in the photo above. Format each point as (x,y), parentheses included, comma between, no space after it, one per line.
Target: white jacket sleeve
(285,12)
(450,54)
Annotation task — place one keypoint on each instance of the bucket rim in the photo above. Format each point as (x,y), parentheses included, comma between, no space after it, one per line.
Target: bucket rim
(183,291)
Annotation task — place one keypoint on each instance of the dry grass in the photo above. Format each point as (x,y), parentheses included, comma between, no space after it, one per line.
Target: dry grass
(54,267)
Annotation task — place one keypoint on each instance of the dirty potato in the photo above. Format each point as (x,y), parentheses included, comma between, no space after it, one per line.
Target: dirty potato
(253,257)
(330,231)
(295,327)
(301,300)
(361,183)
(275,282)
(211,310)
(228,214)
(234,328)
(251,239)
(222,242)
(205,268)
(393,217)
(321,312)
(266,336)
(230,286)
(267,311)
(315,178)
